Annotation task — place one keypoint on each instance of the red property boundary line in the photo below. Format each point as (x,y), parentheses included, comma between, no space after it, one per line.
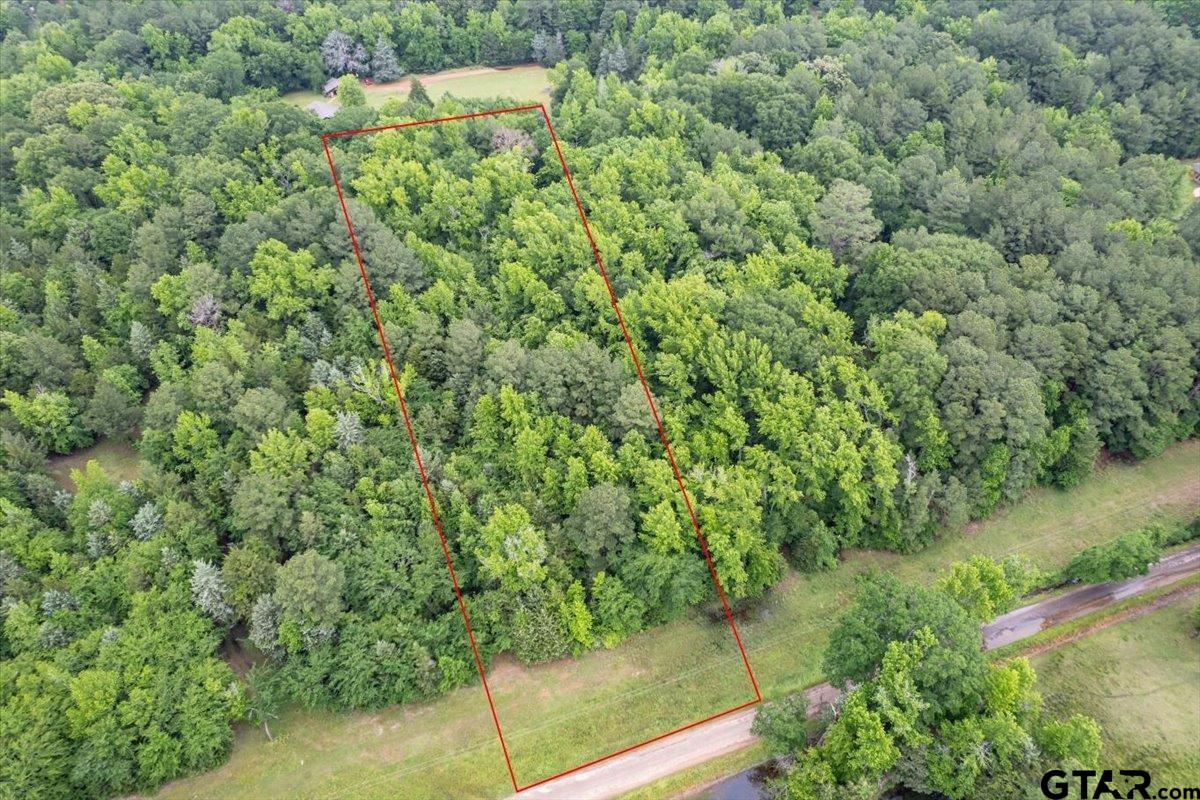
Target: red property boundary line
(412,439)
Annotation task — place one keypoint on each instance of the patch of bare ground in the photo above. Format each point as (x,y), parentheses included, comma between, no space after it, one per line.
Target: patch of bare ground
(239,657)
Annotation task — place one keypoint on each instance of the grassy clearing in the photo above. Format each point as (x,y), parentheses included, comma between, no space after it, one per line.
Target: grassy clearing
(1140,680)
(527,82)
(563,714)
(1186,187)
(118,459)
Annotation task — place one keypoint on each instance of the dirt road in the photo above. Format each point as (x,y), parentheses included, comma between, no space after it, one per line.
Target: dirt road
(703,743)
(646,764)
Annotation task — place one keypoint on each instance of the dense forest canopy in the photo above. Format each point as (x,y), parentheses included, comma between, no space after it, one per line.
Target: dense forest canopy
(888,265)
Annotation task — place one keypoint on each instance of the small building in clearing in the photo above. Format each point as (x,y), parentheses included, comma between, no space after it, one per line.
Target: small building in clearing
(329,88)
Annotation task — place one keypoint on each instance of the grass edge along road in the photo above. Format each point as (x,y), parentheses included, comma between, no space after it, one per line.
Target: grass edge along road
(447,747)
(1140,679)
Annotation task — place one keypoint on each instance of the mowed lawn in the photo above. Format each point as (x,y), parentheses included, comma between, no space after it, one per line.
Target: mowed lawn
(559,715)
(524,83)
(1139,679)
(118,459)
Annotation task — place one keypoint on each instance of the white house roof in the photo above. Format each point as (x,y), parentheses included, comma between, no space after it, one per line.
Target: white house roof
(322,110)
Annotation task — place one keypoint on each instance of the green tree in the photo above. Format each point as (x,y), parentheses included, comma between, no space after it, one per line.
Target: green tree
(288,282)
(261,507)
(885,611)
(50,417)
(857,746)
(985,588)
(842,220)
(601,524)
(417,94)
(1126,556)
(308,589)
(512,551)
(577,617)
(350,93)
(538,633)
(783,724)
(264,700)
(618,613)
(210,593)
(384,66)
(249,572)
(113,410)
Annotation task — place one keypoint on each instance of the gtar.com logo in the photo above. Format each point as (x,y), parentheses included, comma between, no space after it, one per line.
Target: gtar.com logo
(1092,784)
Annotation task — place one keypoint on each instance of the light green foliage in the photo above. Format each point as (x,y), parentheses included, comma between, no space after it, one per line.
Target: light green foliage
(237,200)
(577,619)
(280,455)
(287,282)
(49,417)
(512,551)
(350,93)
(857,746)
(1124,557)
(1076,740)
(193,438)
(985,588)
(876,287)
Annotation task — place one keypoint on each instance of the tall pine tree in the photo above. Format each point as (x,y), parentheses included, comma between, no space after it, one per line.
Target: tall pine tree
(384,66)
(417,93)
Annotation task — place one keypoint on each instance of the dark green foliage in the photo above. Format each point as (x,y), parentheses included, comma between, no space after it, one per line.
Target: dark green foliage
(884,272)
(1124,557)
(887,610)
(249,573)
(417,94)
(925,711)
(783,724)
(600,524)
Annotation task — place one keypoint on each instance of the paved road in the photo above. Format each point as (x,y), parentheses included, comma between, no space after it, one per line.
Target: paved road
(1025,622)
(644,765)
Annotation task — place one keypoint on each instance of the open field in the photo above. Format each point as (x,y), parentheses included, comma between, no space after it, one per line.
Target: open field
(526,83)
(118,459)
(448,747)
(1140,680)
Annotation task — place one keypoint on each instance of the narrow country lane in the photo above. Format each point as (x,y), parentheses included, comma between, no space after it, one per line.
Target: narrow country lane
(694,746)
(1025,622)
